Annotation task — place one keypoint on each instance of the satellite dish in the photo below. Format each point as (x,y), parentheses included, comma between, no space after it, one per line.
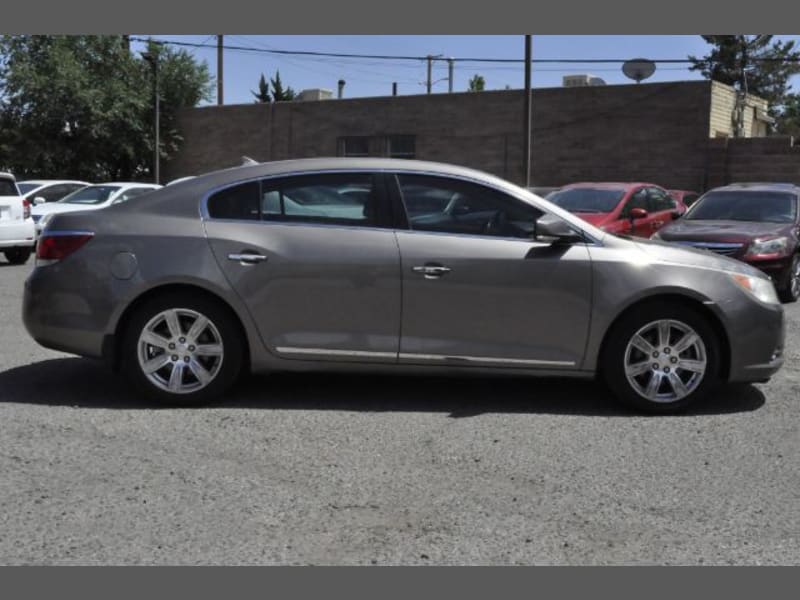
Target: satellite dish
(638,69)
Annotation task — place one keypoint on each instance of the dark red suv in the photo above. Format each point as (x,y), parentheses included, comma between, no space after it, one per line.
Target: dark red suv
(758,223)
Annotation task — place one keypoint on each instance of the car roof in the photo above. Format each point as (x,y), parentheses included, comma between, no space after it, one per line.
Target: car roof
(759,187)
(610,185)
(181,198)
(53,181)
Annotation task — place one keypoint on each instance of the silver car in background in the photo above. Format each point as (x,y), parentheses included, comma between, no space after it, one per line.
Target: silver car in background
(390,265)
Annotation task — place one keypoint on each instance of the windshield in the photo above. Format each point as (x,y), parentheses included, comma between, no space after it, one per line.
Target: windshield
(763,207)
(94,194)
(24,188)
(587,200)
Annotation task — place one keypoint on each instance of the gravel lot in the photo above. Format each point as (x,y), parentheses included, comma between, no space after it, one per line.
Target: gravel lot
(387,470)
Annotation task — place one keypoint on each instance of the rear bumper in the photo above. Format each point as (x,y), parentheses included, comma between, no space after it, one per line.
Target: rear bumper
(17,234)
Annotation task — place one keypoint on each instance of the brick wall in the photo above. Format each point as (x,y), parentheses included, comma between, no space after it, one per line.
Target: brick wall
(774,159)
(651,132)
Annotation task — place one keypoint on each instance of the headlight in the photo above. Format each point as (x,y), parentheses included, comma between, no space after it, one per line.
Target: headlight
(757,286)
(771,246)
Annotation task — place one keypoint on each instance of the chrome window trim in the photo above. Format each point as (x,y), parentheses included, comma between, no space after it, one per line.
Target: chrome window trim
(334,352)
(205,216)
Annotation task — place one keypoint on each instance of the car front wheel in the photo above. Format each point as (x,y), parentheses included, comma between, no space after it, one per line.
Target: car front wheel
(789,291)
(661,357)
(179,349)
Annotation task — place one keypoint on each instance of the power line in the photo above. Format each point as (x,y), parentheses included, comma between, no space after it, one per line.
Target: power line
(424,58)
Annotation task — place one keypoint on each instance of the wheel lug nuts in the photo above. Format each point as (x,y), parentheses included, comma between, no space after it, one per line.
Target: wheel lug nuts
(186,359)
(172,346)
(191,348)
(666,350)
(655,354)
(666,369)
(673,360)
(655,366)
(182,340)
(174,358)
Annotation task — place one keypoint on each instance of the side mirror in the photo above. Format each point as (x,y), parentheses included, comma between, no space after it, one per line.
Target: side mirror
(39,200)
(554,230)
(676,214)
(637,213)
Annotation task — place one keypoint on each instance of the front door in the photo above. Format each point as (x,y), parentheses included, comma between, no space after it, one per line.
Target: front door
(313,259)
(478,290)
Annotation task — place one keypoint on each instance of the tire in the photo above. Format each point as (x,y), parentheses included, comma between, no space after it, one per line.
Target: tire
(789,291)
(18,256)
(642,390)
(208,364)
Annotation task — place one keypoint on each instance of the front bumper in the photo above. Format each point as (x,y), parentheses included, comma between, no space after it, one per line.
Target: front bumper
(756,334)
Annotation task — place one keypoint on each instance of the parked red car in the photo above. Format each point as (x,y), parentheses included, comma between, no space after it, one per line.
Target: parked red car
(638,209)
(684,198)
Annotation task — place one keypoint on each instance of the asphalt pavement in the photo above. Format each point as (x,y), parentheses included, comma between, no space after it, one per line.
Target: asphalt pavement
(356,470)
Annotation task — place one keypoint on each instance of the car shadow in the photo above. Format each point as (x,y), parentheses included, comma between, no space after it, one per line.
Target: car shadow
(90,384)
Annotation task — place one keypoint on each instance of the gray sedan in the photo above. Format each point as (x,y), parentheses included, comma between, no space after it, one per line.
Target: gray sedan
(390,265)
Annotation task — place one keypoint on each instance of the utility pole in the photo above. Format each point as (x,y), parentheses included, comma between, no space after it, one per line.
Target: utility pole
(152,58)
(220,97)
(394,88)
(449,75)
(430,66)
(526,148)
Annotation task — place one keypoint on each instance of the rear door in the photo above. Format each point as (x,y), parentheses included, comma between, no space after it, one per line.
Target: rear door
(315,259)
(477,289)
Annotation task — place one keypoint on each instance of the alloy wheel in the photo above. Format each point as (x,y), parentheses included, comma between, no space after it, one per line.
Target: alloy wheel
(665,361)
(180,351)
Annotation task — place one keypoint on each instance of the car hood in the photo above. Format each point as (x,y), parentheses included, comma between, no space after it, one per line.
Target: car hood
(720,231)
(659,251)
(59,207)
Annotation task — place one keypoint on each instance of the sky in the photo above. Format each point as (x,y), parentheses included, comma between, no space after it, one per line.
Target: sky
(371,77)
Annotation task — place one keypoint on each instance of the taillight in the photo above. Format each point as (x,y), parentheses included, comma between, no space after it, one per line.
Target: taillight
(54,246)
(26,208)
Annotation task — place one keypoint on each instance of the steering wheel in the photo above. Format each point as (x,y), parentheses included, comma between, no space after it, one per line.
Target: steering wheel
(497,223)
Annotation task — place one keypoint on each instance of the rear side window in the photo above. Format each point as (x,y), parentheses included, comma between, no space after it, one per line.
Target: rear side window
(8,188)
(239,202)
(343,199)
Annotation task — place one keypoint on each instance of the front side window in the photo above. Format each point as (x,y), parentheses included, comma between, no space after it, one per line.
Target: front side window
(453,206)
(94,194)
(660,201)
(637,200)
(587,200)
(764,207)
(345,199)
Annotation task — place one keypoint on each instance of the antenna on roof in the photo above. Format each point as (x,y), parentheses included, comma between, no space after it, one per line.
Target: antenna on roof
(247,161)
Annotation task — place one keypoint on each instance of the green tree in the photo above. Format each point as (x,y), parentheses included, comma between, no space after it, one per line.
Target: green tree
(788,122)
(82,106)
(753,64)
(262,95)
(279,94)
(476,84)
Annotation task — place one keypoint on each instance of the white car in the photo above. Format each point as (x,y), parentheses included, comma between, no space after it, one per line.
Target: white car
(17,232)
(92,197)
(39,191)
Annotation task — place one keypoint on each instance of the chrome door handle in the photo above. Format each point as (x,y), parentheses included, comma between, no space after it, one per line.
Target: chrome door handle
(249,259)
(431,271)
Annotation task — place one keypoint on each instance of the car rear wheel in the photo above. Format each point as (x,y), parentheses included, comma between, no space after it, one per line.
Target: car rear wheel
(661,358)
(182,350)
(789,291)
(17,256)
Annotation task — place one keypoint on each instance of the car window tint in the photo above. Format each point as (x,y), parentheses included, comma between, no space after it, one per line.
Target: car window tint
(660,200)
(237,202)
(8,188)
(340,198)
(587,199)
(454,206)
(637,200)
